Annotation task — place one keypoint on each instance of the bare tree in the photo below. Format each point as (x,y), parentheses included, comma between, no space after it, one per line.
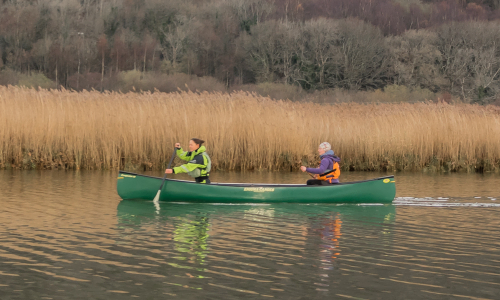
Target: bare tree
(471,59)
(175,36)
(288,36)
(363,57)
(263,50)
(318,51)
(102,46)
(252,12)
(413,58)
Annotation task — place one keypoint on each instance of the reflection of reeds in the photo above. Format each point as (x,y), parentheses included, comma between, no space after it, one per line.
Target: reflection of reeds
(63,129)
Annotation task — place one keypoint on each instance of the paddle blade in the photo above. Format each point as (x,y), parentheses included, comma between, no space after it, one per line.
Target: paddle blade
(157,197)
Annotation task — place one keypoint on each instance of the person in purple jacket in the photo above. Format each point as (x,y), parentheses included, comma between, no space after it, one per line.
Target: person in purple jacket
(328,171)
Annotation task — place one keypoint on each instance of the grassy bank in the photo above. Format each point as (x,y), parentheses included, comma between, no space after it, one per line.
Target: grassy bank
(91,130)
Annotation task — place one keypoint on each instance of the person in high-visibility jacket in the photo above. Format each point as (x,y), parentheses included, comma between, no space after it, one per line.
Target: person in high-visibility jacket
(328,171)
(199,163)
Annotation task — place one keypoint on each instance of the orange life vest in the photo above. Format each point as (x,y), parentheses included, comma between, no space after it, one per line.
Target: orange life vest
(330,174)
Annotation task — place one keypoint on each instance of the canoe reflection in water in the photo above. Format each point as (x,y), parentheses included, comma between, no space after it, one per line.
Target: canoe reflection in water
(191,237)
(273,244)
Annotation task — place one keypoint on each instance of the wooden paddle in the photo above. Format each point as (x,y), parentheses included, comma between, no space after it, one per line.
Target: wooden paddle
(157,197)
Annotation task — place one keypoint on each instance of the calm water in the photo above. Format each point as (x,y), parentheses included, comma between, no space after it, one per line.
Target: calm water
(67,235)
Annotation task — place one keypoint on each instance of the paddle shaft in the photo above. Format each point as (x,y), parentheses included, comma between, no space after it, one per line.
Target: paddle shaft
(165,176)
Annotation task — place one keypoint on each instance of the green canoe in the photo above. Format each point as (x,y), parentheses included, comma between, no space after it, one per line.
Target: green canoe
(136,186)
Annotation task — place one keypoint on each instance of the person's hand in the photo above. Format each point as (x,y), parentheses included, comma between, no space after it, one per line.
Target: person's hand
(303,169)
(177,145)
(168,171)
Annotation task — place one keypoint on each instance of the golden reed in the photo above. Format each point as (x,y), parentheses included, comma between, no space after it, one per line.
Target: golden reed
(92,130)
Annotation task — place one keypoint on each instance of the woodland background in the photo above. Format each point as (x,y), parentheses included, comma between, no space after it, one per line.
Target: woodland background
(315,50)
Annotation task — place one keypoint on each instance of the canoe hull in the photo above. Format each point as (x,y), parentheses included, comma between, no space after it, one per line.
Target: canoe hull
(136,186)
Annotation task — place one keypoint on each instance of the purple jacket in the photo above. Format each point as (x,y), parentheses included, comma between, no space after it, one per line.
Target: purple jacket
(327,161)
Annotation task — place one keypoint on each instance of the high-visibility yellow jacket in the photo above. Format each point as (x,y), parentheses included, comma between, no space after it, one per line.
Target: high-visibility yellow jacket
(199,163)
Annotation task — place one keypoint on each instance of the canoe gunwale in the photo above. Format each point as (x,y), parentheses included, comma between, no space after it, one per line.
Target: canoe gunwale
(259,184)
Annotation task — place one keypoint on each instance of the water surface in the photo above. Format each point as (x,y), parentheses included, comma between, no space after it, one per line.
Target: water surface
(67,235)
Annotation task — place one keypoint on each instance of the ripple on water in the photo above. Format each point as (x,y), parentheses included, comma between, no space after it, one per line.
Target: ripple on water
(70,232)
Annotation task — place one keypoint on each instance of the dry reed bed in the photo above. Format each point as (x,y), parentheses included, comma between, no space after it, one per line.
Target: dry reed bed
(91,130)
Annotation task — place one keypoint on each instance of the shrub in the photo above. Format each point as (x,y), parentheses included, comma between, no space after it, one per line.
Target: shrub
(399,93)
(35,80)
(127,81)
(277,91)
(9,77)
(390,94)
(92,81)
